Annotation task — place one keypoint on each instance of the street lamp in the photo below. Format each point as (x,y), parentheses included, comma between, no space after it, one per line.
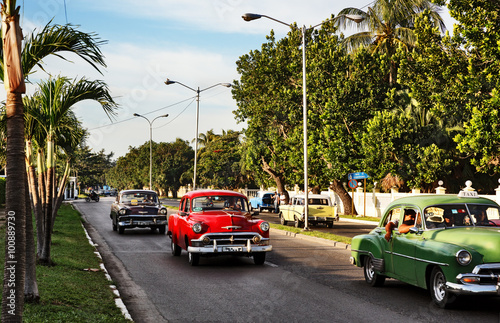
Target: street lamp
(355,18)
(168,82)
(150,144)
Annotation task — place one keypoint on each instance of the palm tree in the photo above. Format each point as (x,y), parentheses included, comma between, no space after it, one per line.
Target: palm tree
(54,125)
(15,257)
(389,25)
(15,64)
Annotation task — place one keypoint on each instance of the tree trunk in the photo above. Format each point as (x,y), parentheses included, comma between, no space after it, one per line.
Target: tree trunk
(42,200)
(44,258)
(60,194)
(31,294)
(15,211)
(15,206)
(278,179)
(346,199)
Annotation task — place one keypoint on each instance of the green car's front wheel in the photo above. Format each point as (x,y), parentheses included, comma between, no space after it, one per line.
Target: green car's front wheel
(440,295)
(371,276)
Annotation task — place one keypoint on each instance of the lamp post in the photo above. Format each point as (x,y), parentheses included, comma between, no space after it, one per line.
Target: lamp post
(168,82)
(355,18)
(150,144)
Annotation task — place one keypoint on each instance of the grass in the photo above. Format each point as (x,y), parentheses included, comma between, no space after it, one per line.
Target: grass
(364,218)
(69,293)
(317,234)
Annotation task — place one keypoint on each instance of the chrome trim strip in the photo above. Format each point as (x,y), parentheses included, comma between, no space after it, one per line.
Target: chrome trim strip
(219,249)
(418,259)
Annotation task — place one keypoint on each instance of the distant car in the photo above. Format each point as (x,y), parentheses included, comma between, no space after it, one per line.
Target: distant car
(138,209)
(216,222)
(263,201)
(451,247)
(321,210)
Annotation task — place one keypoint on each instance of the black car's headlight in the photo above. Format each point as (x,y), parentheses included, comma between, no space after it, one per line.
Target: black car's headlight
(122,211)
(197,227)
(463,257)
(264,226)
(163,211)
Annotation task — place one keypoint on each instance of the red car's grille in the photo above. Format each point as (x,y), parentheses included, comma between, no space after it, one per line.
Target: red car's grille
(232,238)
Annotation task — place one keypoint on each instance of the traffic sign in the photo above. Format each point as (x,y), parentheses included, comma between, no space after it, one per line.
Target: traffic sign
(358,175)
(353,183)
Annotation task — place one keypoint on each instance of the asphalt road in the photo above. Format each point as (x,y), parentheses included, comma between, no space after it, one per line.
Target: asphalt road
(303,280)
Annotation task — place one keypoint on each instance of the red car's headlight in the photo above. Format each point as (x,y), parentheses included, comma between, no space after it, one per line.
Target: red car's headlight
(264,226)
(197,227)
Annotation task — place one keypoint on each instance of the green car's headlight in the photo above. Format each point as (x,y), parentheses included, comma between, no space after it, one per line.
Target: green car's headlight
(463,257)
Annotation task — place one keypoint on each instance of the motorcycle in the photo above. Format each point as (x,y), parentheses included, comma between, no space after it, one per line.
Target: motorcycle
(92,197)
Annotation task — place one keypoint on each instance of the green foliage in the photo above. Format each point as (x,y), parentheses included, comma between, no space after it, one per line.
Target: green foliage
(170,162)
(172,165)
(269,96)
(92,167)
(219,162)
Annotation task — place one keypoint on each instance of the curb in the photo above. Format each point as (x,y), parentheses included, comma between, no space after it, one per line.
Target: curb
(118,300)
(332,243)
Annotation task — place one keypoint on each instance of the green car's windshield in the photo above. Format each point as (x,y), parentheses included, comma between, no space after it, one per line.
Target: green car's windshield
(216,202)
(459,215)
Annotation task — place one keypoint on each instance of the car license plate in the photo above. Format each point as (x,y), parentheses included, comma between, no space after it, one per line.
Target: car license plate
(232,249)
(142,223)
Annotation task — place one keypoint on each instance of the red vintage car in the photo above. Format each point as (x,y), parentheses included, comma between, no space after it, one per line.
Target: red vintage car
(216,222)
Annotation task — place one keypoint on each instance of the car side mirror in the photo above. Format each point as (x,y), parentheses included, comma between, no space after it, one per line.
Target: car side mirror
(182,213)
(414,230)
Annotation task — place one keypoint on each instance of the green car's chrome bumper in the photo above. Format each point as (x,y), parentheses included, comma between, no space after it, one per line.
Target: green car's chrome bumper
(472,289)
(484,280)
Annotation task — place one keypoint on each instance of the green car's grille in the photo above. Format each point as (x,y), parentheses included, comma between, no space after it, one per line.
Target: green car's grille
(488,273)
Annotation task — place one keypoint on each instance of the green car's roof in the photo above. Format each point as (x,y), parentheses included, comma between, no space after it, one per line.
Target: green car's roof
(422,201)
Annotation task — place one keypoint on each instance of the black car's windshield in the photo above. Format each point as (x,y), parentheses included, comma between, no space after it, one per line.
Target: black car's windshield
(136,198)
(459,215)
(216,202)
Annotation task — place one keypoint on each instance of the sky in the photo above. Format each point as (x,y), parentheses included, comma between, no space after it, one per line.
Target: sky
(194,42)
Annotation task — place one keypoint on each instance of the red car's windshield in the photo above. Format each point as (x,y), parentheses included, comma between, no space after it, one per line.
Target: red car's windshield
(216,202)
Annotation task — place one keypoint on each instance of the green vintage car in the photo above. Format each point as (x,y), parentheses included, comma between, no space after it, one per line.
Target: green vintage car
(321,210)
(451,246)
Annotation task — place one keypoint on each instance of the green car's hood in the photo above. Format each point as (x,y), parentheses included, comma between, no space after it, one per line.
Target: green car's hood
(485,240)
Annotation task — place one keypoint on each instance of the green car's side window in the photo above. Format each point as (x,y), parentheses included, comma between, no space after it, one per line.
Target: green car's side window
(392,215)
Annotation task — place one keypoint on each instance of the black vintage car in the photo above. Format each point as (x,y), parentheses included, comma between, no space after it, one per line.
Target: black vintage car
(138,209)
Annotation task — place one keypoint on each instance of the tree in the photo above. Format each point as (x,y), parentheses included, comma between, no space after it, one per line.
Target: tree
(53,40)
(51,108)
(269,98)
(389,26)
(171,162)
(92,166)
(219,164)
(15,204)
(479,35)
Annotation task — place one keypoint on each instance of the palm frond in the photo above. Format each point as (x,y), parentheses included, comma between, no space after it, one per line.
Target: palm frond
(57,40)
